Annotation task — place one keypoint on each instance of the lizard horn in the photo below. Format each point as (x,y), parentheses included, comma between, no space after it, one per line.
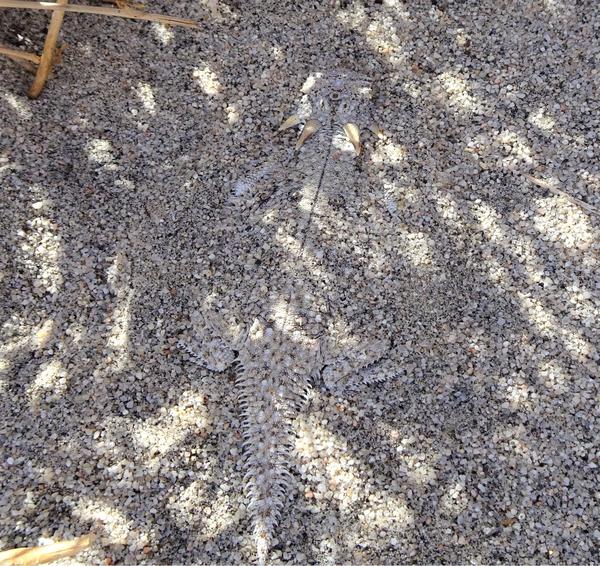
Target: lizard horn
(353,135)
(377,131)
(292,121)
(309,129)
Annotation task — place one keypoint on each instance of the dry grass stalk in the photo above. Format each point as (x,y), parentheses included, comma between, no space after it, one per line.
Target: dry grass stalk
(574,200)
(28,556)
(50,55)
(47,57)
(127,4)
(127,12)
(17,54)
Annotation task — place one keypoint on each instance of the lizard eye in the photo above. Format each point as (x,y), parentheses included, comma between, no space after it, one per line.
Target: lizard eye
(335,96)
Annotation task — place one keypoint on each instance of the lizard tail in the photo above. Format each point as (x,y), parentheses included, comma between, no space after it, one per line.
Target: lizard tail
(267,407)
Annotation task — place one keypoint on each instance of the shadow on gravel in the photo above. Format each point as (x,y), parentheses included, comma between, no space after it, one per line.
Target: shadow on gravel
(111,185)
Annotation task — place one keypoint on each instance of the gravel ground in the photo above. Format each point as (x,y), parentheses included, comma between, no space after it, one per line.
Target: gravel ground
(486,450)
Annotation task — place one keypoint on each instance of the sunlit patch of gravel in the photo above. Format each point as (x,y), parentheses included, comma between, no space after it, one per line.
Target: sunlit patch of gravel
(484,450)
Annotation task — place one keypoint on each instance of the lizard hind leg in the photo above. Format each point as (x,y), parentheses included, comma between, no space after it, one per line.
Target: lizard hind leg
(362,365)
(213,354)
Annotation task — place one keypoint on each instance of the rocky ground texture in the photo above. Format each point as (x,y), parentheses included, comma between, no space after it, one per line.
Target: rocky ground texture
(485,449)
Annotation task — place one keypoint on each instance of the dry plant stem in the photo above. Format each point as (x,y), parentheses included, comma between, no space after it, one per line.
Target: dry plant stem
(19,55)
(127,4)
(99,10)
(47,57)
(557,191)
(43,554)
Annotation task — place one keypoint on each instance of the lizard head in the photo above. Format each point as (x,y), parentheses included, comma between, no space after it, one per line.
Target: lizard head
(341,99)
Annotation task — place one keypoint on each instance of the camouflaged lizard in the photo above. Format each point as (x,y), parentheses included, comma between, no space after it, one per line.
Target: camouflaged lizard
(297,298)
